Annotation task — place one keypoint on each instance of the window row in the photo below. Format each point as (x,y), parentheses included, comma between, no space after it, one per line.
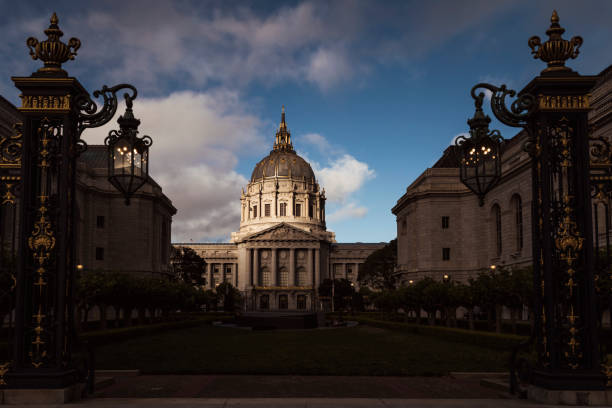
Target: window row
(283,302)
(297,211)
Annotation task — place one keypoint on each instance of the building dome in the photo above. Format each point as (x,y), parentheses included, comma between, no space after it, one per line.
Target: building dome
(282,189)
(283,161)
(283,164)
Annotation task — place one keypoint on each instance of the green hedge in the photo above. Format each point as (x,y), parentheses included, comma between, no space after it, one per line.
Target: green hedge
(484,339)
(98,337)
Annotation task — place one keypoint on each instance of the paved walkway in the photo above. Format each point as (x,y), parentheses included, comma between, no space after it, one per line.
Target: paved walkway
(296,403)
(285,386)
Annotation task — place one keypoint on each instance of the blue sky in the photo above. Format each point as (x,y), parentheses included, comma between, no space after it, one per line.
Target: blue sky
(374,90)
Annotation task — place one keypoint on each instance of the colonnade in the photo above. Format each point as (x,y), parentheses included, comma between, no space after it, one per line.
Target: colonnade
(212,280)
(312,267)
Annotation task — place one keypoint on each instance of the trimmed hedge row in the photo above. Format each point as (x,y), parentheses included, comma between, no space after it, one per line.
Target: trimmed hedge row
(98,337)
(494,341)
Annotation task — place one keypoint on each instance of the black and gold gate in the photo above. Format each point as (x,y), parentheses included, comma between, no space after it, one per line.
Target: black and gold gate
(38,206)
(10,168)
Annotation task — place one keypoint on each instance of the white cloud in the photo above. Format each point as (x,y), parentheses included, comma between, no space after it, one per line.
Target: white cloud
(197,141)
(328,68)
(318,141)
(350,210)
(344,176)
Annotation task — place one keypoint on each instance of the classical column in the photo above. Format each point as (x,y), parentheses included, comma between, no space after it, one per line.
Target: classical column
(249,267)
(208,275)
(256,267)
(236,275)
(355,271)
(307,205)
(345,270)
(317,268)
(310,267)
(273,272)
(292,267)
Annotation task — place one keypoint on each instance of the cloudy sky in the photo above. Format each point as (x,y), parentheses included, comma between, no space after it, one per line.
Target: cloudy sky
(374,90)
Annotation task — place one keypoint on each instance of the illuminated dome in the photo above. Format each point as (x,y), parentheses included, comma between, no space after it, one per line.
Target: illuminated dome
(283,189)
(283,161)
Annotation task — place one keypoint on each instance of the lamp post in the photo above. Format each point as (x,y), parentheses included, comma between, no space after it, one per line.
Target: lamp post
(55,110)
(553,109)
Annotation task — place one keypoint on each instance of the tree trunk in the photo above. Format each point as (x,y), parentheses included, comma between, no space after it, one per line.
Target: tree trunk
(77,320)
(117,316)
(490,318)
(513,319)
(471,319)
(418,314)
(498,318)
(103,322)
(127,317)
(448,316)
(141,316)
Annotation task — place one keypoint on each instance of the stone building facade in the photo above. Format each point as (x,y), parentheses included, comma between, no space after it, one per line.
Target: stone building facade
(441,229)
(110,236)
(282,250)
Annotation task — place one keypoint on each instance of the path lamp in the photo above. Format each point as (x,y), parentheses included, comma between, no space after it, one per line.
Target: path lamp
(55,110)
(128,154)
(480,161)
(553,110)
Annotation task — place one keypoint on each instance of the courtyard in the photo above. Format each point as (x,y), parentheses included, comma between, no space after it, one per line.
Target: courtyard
(356,351)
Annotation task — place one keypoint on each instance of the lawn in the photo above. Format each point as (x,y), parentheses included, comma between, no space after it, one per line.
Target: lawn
(359,350)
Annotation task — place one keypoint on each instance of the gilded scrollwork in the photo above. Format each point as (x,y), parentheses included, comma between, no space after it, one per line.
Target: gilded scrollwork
(10,148)
(45,102)
(4,368)
(563,102)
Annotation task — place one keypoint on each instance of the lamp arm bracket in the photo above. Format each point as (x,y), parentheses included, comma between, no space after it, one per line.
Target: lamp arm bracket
(520,110)
(88,114)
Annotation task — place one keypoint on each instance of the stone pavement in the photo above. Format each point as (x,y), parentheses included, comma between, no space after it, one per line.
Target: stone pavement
(295,403)
(288,386)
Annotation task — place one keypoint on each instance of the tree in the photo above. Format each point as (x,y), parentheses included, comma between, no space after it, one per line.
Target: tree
(188,266)
(343,292)
(229,296)
(378,269)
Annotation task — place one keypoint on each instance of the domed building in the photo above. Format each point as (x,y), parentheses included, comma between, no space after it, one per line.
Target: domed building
(282,251)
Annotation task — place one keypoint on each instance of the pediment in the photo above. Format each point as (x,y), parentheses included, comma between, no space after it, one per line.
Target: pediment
(282,232)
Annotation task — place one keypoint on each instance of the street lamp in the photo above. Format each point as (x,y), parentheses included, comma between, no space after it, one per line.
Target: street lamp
(480,152)
(128,155)
(446,278)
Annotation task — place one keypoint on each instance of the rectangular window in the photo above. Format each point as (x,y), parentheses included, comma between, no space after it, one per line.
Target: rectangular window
(283,209)
(267,210)
(446,254)
(254,211)
(100,221)
(301,302)
(310,210)
(298,210)
(445,220)
(99,254)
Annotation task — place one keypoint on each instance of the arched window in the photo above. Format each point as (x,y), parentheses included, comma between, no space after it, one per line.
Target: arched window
(301,302)
(283,302)
(265,276)
(517,205)
(496,213)
(264,302)
(301,276)
(284,277)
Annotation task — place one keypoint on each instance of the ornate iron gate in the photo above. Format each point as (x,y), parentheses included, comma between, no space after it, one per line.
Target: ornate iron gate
(10,167)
